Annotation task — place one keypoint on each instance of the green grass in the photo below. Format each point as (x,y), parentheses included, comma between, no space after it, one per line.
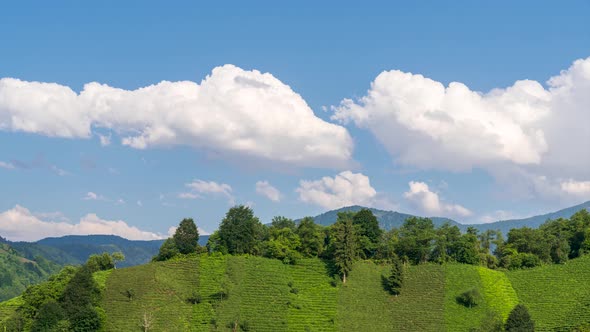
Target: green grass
(497,291)
(458,279)
(557,296)
(363,302)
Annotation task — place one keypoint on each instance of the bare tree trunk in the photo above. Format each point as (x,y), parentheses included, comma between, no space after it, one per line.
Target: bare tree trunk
(344,277)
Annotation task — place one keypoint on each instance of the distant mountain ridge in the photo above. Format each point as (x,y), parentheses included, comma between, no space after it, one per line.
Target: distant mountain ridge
(393,219)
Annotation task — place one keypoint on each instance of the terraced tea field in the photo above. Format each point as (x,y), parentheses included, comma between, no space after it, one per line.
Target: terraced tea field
(558,296)
(259,294)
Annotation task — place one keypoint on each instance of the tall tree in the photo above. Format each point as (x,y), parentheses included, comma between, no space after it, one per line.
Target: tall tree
(279,222)
(368,231)
(186,236)
(395,279)
(416,239)
(240,231)
(345,244)
(311,237)
(519,320)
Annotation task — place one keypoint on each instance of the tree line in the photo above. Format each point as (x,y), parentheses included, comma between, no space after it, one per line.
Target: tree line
(355,236)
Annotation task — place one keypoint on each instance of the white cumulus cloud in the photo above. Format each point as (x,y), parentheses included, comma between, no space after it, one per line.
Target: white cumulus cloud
(19,224)
(232,111)
(267,190)
(198,187)
(525,128)
(344,189)
(429,202)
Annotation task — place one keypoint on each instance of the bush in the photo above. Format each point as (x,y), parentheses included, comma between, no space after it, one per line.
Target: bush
(194,298)
(469,298)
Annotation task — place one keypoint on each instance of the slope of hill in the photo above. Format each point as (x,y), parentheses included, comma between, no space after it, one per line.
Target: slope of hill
(392,219)
(18,272)
(220,293)
(387,219)
(533,222)
(262,294)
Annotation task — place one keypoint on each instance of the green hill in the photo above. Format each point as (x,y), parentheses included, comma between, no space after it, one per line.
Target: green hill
(17,272)
(262,294)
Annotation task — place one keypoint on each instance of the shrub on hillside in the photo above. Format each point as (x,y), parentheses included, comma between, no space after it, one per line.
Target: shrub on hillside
(469,298)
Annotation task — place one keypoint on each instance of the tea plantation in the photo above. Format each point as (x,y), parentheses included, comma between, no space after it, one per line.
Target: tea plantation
(247,293)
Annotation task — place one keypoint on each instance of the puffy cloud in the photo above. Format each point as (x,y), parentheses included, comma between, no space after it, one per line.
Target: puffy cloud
(524,128)
(232,111)
(576,187)
(267,190)
(428,201)
(19,224)
(344,189)
(198,187)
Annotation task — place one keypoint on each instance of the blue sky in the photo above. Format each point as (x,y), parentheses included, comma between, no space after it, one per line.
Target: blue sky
(510,139)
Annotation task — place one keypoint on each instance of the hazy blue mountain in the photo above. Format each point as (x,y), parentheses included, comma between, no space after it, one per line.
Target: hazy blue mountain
(533,222)
(387,219)
(392,219)
(75,249)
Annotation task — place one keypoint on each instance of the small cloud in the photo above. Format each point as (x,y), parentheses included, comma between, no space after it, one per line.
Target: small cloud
(91,196)
(188,195)
(58,170)
(6,165)
(120,201)
(105,140)
(139,203)
(208,188)
(267,190)
(428,201)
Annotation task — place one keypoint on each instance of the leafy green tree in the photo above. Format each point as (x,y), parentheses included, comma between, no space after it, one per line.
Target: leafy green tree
(283,244)
(311,237)
(446,236)
(466,248)
(345,244)
(519,320)
(387,244)
(117,257)
(80,292)
(186,236)
(240,231)
(395,280)
(280,222)
(168,250)
(416,242)
(85,319)
(48,316)
(368,232)
(100,262)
